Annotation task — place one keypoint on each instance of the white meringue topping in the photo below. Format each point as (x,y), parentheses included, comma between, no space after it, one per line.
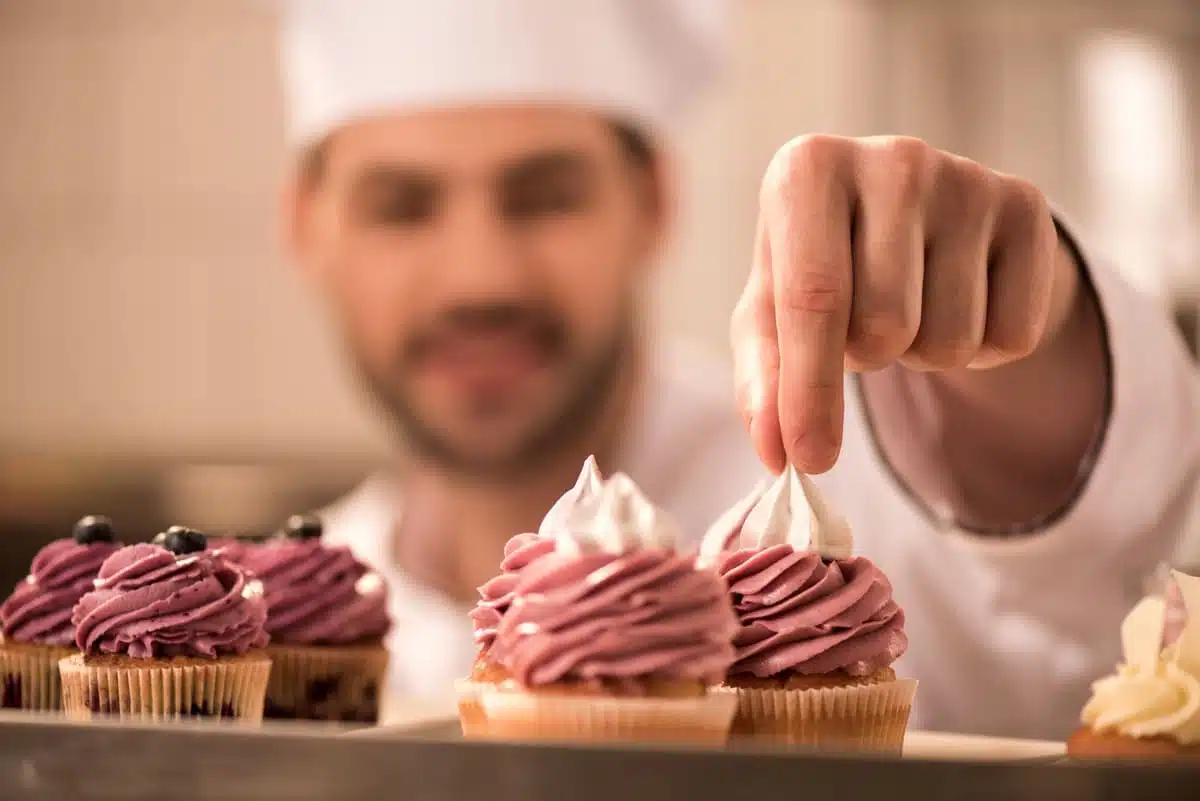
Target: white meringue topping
(789,511)
(587,487)
(618,520)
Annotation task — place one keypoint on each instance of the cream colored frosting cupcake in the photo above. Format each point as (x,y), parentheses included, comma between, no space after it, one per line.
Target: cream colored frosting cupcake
(1150,706)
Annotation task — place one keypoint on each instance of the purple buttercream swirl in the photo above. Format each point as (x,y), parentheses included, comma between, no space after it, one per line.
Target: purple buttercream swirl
(149,603)
(39,610)
(496,595)
(317,594)
(232,548)
(802,614)
(600,617)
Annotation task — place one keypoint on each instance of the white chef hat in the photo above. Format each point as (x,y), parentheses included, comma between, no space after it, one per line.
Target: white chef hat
(641,60)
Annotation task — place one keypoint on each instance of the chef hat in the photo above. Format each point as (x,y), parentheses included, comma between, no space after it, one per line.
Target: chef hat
(642,60)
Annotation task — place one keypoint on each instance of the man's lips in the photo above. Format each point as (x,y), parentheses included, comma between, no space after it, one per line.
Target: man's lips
(485,361)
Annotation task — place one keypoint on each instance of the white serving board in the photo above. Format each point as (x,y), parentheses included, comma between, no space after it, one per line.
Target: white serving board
(941,745)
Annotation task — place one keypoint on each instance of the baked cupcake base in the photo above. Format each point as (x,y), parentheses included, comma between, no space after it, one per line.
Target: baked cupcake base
(1087,744)
(831,711)
(326,683)
(29,677)
(682,712)
(471,715)
(165,689)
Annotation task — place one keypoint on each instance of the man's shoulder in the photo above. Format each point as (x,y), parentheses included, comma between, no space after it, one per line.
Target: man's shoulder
(357,518)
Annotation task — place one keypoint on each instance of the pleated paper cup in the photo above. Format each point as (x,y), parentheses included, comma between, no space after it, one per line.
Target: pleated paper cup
(165,689)
(321,683)
(29,676)
(514,714)
(863,717)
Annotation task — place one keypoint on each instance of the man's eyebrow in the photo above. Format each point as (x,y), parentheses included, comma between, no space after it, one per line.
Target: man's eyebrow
(545,164)
(382,177)
(548,163)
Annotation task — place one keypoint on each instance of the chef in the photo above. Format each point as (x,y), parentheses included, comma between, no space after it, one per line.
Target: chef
(481,190)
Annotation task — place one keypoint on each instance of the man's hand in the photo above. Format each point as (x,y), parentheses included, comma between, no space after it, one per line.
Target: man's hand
(878,251)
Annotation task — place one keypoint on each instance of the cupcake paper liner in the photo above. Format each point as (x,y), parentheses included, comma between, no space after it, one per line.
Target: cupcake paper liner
(29,676)
(513,714)
(317,683)
(868,717)
(165,689)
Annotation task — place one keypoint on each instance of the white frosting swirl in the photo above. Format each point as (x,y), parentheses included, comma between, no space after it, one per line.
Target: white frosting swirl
(789,511)
(1156,692)
(587,487)
(617,520)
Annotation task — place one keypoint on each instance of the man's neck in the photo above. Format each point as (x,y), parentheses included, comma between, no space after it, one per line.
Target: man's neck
(453,530)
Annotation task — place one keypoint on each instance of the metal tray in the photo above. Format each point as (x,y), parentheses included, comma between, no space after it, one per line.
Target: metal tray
(53,760)
(917,745)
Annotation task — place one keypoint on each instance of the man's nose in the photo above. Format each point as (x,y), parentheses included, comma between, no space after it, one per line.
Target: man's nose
(481,254)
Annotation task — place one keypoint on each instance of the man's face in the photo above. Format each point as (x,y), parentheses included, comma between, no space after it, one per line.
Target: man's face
(483,264)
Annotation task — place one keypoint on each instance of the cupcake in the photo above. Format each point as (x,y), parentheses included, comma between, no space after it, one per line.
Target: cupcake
(1150,708)
(614,636)
(818,627)
(36,618)
(496,595)
(327,617)
(170,631)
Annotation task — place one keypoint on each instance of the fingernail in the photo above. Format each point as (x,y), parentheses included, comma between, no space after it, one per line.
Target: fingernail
(814,453)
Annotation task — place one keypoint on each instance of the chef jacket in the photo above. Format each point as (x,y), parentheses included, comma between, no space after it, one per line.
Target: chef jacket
(1006,633)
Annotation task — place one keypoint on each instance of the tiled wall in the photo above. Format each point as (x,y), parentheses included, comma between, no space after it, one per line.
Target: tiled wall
(143,302)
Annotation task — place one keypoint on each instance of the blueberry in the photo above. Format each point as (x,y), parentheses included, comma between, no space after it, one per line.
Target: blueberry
(179,540)
(94,528)
(303,527)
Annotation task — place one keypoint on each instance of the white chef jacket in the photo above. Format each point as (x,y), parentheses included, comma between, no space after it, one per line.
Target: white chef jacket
(1005,634)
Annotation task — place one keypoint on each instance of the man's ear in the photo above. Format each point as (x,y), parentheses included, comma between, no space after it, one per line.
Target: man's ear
(296,213)
(299,206)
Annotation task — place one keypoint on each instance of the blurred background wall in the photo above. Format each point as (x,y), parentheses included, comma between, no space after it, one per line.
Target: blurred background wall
(146,312)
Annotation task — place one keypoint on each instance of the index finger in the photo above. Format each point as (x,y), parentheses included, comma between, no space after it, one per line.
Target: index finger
(808,231)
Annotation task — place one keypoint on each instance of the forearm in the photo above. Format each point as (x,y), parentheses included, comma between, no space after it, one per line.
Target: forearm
(1001,448)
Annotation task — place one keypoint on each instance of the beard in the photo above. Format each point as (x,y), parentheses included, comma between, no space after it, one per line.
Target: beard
(585,390)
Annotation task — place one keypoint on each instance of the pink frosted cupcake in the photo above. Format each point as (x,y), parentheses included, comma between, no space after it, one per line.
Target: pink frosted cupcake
(819,628)
(170,631)
(327,617)
(36,618)
(614,635)
(497,594)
